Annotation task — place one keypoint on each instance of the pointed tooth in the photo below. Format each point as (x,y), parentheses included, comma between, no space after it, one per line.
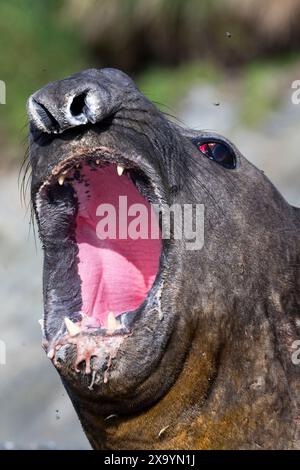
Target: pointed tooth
(97,161)
(120,170)
(41,323)
(77,165)
(51,353)
(72,328)
(61,180)
(112,323)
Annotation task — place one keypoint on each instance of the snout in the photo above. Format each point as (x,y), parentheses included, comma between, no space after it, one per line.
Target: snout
(88,97)
(76,111)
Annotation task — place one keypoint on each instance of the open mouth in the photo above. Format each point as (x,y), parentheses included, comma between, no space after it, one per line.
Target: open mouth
(118,271)
(117,237)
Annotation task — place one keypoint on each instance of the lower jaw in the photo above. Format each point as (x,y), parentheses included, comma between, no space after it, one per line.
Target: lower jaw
(87,354)
(126,377)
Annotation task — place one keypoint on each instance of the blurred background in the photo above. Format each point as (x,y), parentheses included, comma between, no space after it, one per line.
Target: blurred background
(226,65)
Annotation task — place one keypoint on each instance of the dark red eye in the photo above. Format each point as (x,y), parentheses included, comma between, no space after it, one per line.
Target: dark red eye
(219,152)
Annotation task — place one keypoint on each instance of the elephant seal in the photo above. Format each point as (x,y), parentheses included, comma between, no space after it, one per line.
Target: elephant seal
(160,346)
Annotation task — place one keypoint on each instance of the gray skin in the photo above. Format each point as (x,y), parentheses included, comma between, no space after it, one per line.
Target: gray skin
(208,361)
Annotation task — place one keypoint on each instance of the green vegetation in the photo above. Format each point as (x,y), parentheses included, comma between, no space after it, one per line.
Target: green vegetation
(167,45)
(165,86)
(263,83)
(35,48)
(259,85)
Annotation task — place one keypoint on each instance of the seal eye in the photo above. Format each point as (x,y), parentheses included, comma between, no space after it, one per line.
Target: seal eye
(220,152)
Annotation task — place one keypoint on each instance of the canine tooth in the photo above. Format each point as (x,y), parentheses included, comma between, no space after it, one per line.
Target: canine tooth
(72,328)
(112,322)
(61,180)
(97,162)
(77,165)
(51,353)
(120,170)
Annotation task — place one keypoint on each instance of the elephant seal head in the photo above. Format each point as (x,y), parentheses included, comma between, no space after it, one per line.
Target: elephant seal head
(171,274)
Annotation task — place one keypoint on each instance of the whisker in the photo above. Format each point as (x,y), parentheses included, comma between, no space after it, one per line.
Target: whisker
(24,179)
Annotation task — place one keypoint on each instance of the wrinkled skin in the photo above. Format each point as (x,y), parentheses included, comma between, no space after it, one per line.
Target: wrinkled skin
(207,363)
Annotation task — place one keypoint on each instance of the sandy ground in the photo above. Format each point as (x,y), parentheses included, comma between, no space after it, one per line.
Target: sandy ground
(35,411)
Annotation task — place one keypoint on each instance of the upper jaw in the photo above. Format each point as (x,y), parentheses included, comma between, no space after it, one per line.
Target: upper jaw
(101,155)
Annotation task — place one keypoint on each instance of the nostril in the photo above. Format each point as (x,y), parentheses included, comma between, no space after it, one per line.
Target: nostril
(48,120)
(78,104)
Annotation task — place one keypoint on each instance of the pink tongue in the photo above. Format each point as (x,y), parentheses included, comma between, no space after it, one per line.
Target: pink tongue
(116,274)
